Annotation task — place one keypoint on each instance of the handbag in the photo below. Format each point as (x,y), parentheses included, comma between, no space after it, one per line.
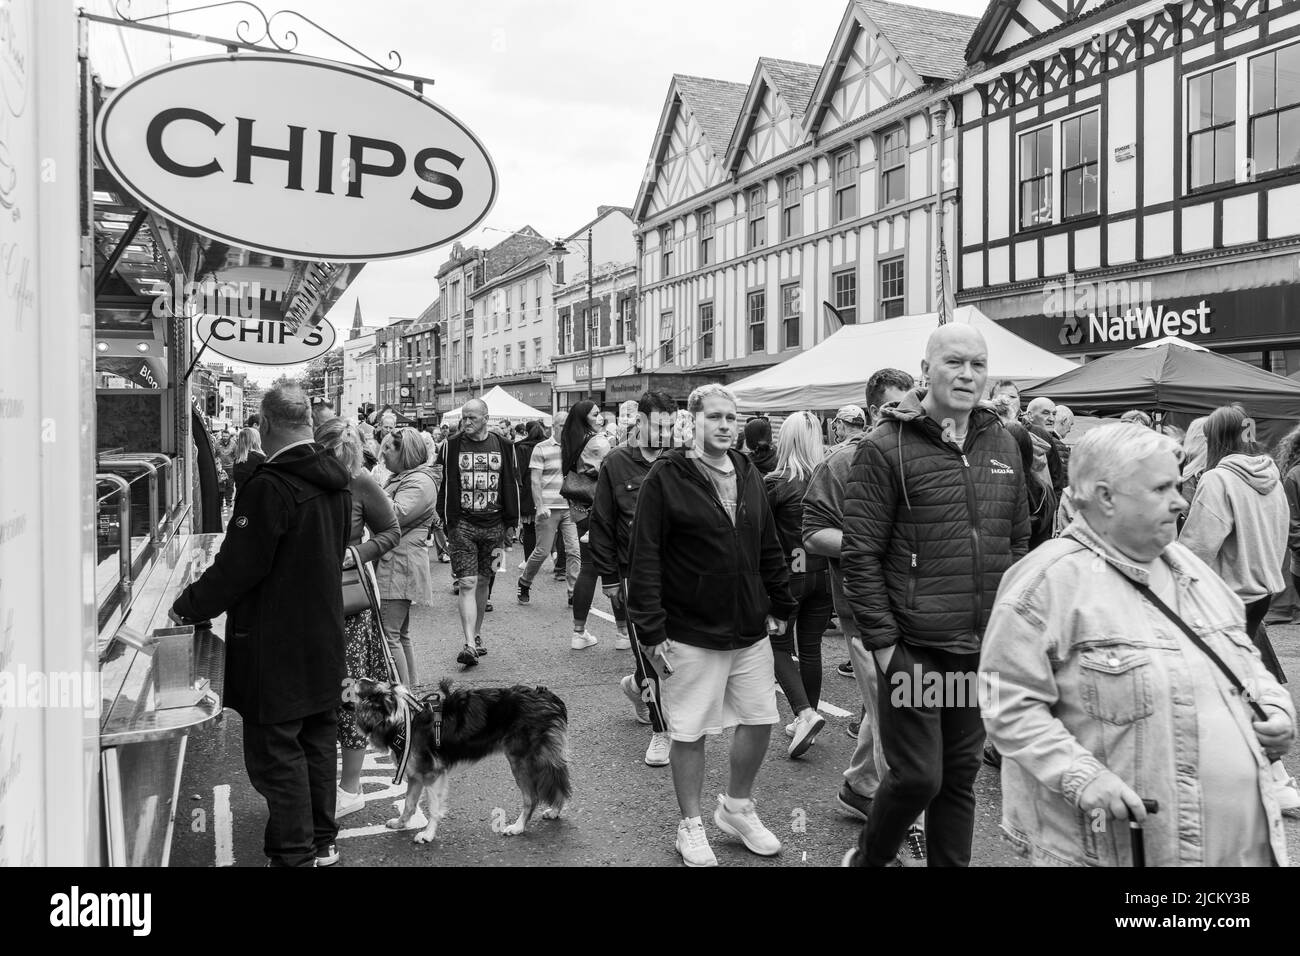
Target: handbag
(355,596)
(579,485)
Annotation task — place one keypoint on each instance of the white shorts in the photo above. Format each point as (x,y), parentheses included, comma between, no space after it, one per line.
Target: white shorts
(710,691)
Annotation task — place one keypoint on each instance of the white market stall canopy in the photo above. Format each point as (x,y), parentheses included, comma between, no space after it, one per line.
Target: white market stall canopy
(835,372)
(502,405)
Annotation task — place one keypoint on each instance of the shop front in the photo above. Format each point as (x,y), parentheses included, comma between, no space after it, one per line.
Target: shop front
(677,383)
(1248,310)
(579,376)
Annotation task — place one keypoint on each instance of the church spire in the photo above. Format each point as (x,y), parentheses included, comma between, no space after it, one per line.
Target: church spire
(357,325)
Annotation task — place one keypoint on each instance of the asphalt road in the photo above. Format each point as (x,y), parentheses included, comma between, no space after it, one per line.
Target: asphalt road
(622,812)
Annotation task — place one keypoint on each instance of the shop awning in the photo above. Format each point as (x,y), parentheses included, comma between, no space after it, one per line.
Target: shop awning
(1183,381)
(835,373)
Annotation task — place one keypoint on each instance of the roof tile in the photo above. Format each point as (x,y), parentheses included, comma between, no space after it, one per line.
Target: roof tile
(932,41)
(716,105)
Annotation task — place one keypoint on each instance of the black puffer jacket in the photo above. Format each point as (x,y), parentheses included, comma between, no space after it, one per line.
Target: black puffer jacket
(929,530)
(694,577)
(785,495)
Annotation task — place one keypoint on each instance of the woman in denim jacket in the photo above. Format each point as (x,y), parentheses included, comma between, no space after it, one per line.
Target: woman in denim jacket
(1097,700)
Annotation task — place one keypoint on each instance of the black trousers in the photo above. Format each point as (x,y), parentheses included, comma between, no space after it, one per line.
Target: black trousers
(1255,612)
(292,765)
(802,681)
(933,752)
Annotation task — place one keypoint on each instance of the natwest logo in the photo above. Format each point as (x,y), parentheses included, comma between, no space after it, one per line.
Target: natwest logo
(1136,324)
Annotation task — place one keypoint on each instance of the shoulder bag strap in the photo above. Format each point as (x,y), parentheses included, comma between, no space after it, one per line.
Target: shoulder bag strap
(376,619)
(1199,642)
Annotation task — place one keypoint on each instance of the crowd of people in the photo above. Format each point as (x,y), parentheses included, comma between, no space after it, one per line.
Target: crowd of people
(1085,613)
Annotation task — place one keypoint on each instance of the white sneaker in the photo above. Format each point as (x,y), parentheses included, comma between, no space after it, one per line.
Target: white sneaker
(806,727)
(631,692)
(522,565)
(791,727)
(746,825)
(622,642)
(656,755)
(693,845)
(345,802)
(582,641)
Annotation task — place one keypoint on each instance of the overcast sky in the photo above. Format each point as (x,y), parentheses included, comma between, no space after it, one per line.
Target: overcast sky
(565,94)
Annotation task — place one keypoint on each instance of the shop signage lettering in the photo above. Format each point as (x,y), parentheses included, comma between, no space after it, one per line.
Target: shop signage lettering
(296,157)
(1137,324)
(263,342)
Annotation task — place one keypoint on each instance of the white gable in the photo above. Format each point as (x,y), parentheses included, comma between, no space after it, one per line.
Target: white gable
(871,79)
(1033,17)
(774,131)
(688,166)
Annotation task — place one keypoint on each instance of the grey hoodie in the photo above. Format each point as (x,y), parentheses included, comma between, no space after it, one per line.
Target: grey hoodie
(1238,525)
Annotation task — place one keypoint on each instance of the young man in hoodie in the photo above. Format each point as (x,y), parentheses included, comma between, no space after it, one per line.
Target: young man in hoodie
(709,583)
(1239,519)
(278,578)
(935,512)
(618,486)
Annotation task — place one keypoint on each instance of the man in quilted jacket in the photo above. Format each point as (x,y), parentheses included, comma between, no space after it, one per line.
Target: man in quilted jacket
(934,514)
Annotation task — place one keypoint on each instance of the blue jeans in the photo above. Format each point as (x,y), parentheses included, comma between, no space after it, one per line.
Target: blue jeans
(560,522)
(396,615)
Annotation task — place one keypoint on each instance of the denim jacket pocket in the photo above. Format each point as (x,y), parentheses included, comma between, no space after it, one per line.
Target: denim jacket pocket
(1116,684)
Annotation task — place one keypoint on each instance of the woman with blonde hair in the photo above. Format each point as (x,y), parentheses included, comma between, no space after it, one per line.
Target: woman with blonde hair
(403,572)
(363,648)
(247,456)
(799,449)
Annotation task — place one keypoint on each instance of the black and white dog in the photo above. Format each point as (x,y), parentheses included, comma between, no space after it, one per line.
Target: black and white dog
(430,736)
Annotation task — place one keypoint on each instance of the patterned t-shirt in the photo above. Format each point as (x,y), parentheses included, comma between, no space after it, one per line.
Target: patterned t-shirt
(480,480)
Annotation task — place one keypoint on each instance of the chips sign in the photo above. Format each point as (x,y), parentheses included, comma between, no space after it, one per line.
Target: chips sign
(296,157)
(263,342)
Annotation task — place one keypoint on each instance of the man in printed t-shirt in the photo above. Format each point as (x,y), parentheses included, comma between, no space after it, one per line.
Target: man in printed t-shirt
(479,507)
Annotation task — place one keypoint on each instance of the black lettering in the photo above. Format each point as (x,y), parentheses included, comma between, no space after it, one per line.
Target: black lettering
(314,338)
(256,329)
(357,148)
(433,177)
(154,134)
(217,325)
(246,151)
(325,174)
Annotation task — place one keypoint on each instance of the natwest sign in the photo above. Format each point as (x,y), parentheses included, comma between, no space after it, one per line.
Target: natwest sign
(1138,324)
(296,157)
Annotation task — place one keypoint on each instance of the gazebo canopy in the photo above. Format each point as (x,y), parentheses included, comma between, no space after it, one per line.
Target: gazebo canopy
(502,405)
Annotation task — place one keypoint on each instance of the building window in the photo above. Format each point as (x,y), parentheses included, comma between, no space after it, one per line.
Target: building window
(559,271)
(1275,109)
(846,185)
(790,316)
(507,364)
(706,331)
(791,205)
(846,296)
(757,218)
(891,288)
(566,331)
(523,356)
(623,328)
(1212,127)
(665,338)
(523,303)
(1079,167)
(537,352)
(666,251)
(756,312)
(706,236)
(1036,177)
(893,166)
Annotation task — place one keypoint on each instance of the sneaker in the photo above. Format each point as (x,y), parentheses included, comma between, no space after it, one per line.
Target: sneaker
(479,649)
(855,726)
(522,565)
(455,589)
(745,824)
(845,669)
(791,727)
(991,757)
(523,593)
(807,727)
(850,857)
(487,607)
(346,802)
(656,755)
(467,656)
(853,803)
(633,694)
(912,852)
(327,855)
(583,641)
(693,844)
(622,642)
(570,599)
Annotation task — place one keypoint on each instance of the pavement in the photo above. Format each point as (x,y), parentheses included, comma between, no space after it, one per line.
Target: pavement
(623,813)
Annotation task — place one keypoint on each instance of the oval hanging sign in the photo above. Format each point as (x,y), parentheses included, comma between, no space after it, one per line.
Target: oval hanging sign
(296,157)
(262,341)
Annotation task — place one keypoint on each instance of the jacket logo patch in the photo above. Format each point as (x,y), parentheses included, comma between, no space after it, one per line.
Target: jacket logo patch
(241,522)
(1001,467)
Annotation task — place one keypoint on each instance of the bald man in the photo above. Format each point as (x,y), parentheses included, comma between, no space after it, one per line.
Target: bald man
(1040,417)
(935,512)
(479,506)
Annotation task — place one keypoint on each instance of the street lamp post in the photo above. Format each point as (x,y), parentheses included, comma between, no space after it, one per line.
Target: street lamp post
(591,269)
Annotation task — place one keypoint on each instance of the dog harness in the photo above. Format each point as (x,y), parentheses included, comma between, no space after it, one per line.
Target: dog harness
(407,709)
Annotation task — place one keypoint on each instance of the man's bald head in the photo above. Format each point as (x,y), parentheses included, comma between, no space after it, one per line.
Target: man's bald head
(473,418)
(956,362)
(1041,412)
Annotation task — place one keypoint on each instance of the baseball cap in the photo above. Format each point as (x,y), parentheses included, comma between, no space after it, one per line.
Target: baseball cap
(853,414)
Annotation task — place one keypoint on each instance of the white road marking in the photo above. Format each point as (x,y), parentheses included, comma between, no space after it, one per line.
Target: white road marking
(824,707)
(603,616)
(222,825)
